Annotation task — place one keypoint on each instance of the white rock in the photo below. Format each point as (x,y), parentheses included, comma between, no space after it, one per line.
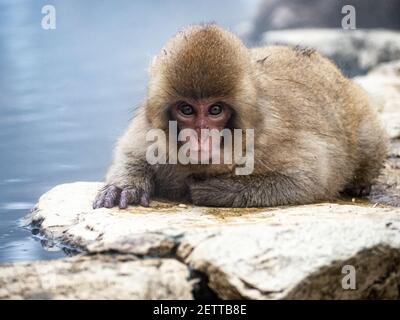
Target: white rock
(355,51)
(383,84)
(96,277)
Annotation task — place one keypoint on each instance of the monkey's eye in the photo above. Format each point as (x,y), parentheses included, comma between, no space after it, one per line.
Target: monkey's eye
(186,109)
(215,110)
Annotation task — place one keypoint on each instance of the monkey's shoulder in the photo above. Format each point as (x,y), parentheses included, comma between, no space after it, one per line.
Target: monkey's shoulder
(281,52)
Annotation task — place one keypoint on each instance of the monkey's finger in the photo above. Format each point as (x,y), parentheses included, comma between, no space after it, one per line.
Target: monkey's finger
(99,201)
(125,199)
(145,200)
(111,197)
(128,196)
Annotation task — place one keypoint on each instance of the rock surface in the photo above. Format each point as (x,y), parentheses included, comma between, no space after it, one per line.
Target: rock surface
(97,277)
(355,51)
(276,253)
(289,14)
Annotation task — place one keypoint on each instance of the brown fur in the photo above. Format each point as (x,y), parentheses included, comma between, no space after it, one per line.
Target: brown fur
(316,133)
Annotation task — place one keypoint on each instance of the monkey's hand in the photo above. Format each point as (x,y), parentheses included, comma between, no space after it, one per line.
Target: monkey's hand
(111,196)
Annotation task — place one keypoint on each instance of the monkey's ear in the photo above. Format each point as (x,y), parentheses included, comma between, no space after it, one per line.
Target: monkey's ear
(158,116)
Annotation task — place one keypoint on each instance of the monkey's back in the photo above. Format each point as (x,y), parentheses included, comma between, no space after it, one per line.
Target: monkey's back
(307,96)
(309,91)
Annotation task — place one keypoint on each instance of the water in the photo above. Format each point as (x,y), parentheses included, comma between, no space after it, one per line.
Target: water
(67,94)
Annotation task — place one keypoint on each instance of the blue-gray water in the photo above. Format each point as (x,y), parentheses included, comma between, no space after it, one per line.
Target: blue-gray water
(67,94)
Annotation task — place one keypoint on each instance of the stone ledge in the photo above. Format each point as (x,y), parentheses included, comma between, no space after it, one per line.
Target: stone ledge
(276,253)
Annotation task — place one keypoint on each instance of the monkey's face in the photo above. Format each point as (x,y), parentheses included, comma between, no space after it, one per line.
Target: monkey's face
(204,119)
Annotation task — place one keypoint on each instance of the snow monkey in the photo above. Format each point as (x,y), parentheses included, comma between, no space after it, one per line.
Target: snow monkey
(316,134)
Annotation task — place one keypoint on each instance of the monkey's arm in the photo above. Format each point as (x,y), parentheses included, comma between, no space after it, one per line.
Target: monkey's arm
(130,178)
(271,189)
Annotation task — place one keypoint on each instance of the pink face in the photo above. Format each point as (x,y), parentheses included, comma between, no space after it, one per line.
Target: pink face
(200,115)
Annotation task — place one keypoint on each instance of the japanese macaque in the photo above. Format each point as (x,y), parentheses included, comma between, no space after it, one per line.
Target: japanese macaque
(316,133)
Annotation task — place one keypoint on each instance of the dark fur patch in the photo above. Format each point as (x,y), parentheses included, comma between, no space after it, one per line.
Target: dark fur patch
(304,51)
(263,60)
